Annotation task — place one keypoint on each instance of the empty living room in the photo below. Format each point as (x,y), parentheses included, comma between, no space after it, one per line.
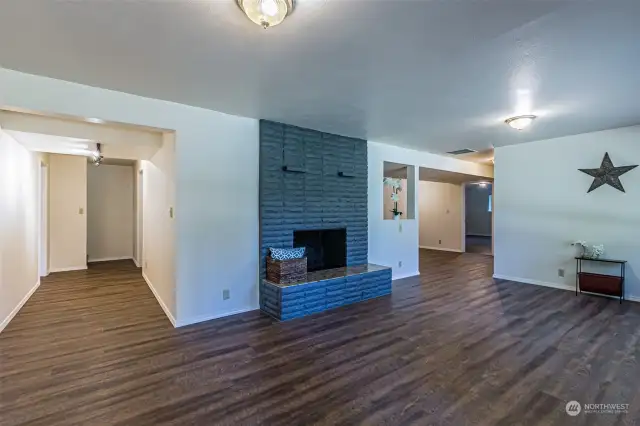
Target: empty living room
(319,212)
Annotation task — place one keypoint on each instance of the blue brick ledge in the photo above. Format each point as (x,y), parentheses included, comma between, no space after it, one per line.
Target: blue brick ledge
(286,303)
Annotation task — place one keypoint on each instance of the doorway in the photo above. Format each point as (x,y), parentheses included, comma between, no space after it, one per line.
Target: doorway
(111,216)
(478,217)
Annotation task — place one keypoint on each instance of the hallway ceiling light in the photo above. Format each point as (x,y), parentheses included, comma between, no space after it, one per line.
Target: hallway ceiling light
(266,13)
(520,122)
(96,156)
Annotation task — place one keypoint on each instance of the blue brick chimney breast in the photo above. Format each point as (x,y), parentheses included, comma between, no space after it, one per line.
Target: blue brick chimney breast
(324,186)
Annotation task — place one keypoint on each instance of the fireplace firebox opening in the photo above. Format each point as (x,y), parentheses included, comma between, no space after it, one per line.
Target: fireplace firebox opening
(326,248)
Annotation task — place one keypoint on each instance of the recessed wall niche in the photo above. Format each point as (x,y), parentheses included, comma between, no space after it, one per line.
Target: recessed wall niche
(399,192)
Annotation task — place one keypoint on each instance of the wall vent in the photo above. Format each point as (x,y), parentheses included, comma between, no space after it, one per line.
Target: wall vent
(462,151)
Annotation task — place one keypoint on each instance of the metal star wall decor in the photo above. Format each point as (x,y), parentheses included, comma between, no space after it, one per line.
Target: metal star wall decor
(608,174)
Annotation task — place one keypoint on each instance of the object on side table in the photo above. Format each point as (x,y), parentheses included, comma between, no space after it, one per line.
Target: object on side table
(595,252)
(590,252)
(582,247)
(608,285)
(286,271)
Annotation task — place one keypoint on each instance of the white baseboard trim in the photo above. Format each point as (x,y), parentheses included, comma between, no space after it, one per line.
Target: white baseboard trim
(164,307)
(205,318)
(136,262)
(534,282)
(68,269)
(110,259)
(558,286)
(403,276)
(441,249)
(5,322)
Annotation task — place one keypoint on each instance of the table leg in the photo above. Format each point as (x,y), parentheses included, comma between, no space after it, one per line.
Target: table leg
(622,270)
(577,274)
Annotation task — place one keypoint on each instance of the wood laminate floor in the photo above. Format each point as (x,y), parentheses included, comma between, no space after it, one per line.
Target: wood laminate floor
(478,244)
(452,347)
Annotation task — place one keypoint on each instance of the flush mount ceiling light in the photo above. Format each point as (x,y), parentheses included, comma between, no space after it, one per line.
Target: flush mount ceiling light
(267,13)
(96,156)
(520,122)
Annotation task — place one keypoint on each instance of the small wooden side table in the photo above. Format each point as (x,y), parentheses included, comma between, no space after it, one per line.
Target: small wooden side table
(608,285)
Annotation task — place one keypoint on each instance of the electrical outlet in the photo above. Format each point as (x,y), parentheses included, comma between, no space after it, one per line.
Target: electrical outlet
(226,295)
(80,210)
(400,264)
(439,241)
(561,272)
(146,265)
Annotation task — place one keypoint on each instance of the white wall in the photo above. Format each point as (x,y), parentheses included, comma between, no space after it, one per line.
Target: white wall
(67,212)
(542,205)
(137,212)
(110,212)
(19,177)
(158,227)
(216,154)
(440,216)
(392,243)
(478,216)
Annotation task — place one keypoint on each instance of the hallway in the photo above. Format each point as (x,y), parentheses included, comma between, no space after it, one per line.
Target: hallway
(452,345)
(479,245)
(72,337)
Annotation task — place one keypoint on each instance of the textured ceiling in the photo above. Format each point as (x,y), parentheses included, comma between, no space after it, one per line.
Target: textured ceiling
(431,75)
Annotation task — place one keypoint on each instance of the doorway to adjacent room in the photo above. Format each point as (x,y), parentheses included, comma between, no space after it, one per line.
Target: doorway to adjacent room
(479,217)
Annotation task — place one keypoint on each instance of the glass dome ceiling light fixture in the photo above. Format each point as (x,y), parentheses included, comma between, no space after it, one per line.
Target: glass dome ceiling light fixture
(520,122)
(267,13)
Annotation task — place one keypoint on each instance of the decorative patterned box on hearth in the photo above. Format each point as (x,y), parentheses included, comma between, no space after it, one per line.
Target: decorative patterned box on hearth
(286,271)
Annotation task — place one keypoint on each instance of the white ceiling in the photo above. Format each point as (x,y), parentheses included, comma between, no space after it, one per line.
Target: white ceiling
(69,135)
(435,175)
(432,75)
(484,157)
(53,144)
(400,171)
(63,145)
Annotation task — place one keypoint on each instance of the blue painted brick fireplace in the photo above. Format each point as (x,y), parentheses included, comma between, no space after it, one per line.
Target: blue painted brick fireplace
(324,187)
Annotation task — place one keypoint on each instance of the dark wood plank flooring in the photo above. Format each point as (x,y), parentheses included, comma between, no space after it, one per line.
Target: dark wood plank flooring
(452,347)
(478,244)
